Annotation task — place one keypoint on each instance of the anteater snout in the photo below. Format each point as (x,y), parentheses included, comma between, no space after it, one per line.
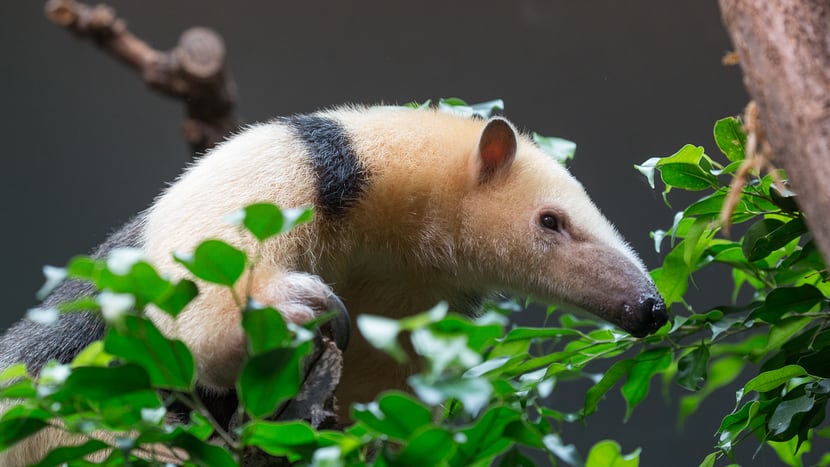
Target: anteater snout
(651,315)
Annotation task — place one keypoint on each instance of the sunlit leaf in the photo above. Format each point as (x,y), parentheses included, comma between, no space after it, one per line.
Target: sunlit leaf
(560,150)
(214,261)
(687,169)
(769,380)
(730,138)
(608,453)
(264,220)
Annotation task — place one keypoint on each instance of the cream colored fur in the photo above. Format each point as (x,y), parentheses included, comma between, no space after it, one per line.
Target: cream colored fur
(426,229)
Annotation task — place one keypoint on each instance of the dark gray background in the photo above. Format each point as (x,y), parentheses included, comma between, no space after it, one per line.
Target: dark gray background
(85,146)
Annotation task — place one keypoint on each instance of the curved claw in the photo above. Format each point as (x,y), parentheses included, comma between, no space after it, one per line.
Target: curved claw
(340,327)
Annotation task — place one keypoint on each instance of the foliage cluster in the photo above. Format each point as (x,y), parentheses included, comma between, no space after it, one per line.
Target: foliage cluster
(481,397)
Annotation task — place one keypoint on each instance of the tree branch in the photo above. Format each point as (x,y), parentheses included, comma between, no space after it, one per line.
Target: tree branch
(784,51)
(193,71)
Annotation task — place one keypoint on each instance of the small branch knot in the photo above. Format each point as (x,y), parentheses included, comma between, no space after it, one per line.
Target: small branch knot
(200,53)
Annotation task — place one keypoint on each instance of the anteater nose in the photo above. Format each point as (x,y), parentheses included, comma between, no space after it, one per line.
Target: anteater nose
(653,312)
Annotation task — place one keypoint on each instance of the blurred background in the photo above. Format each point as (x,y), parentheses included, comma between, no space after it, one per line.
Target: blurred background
(85,145)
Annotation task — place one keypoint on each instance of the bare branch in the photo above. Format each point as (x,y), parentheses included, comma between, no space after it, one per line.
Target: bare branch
(193,71)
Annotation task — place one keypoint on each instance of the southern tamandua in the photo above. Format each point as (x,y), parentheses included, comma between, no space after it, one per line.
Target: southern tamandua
(412,207)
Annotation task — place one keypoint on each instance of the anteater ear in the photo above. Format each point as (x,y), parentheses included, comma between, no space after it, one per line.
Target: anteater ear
(496,149)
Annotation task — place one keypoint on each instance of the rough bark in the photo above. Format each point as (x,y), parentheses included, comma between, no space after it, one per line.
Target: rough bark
(193,71)
(784,51)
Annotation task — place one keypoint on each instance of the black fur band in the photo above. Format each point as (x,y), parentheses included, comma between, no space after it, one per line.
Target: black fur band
(341,178)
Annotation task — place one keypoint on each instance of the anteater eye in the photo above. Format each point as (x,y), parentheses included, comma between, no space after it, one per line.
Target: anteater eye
(549,221)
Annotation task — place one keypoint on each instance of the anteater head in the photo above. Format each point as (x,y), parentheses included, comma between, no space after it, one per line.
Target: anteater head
(529,226)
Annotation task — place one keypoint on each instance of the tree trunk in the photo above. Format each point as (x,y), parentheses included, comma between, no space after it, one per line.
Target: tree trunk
(784,51)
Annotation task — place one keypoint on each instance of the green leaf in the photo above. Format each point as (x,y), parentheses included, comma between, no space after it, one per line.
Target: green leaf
(647,169)
(687,169)
(515,458)
(781,333)
(480,335)
(473,393)
(735,423)
(696,242)
(97,384)
(609,379)
(784,300)
(523,432)
(607,453)
(178,296)
(486,109)
(18,370)
(93,355)
(646,365)
(431,446)
(168,362)
(721,373)
(791,452)
(525,333)
(768,235)
(730,138)
(54,277)
(13,430)
(567,453)
(264,220)
(787,411)
(22,389)
(382,333)
(672,280)
(281,438)
(769,380)
(83,267)
(203,453)
(265,328)
(709,461)
(269,378)
(396,415)
(484,439)
(215,261)
(457,106)
(691,369)
(561,150)
(783,198)
(63,455)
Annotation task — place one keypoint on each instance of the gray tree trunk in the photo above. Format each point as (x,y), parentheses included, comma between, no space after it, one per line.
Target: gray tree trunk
(784,51)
